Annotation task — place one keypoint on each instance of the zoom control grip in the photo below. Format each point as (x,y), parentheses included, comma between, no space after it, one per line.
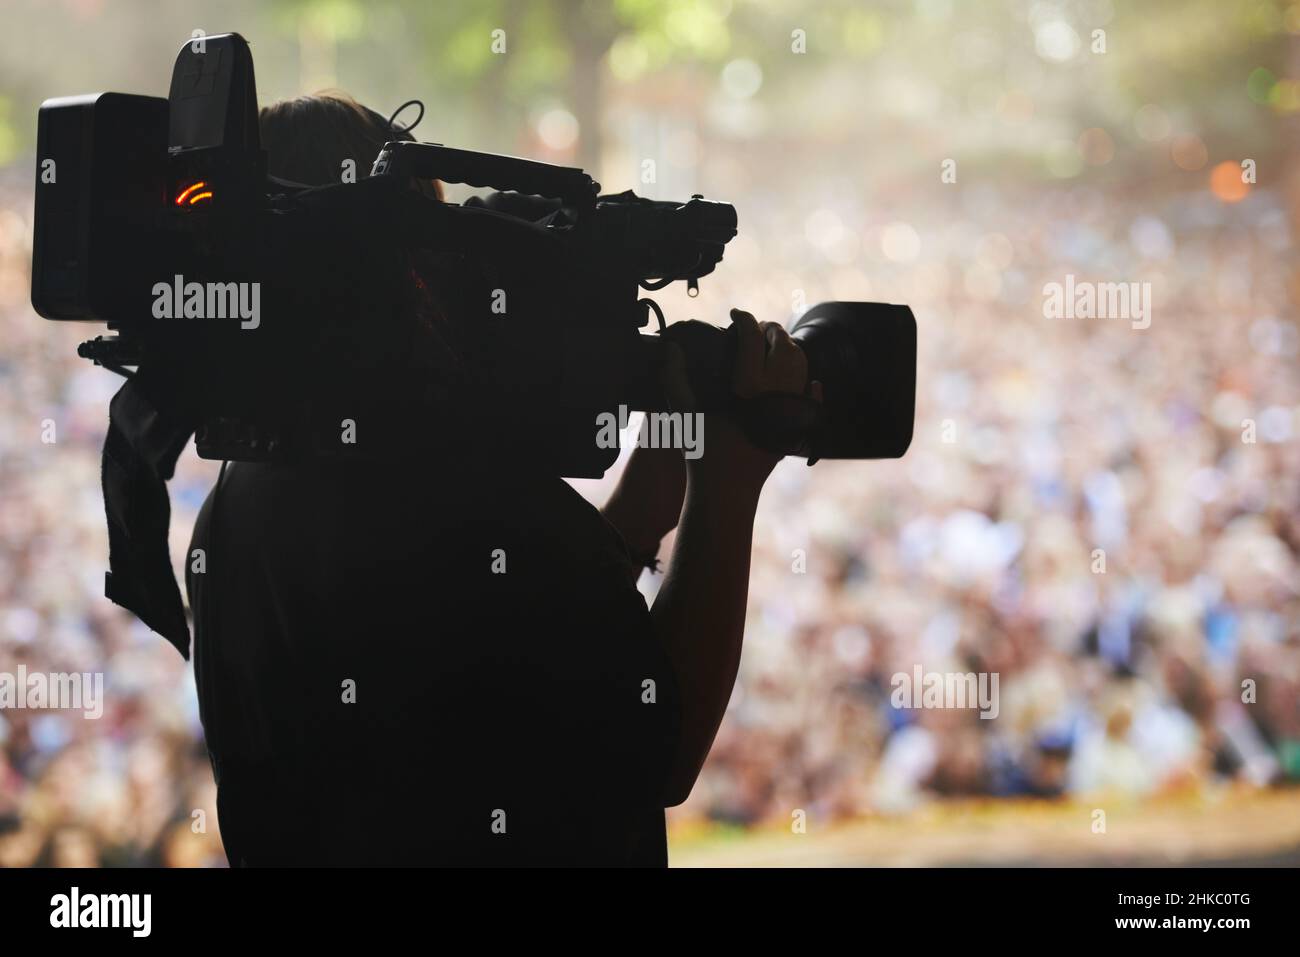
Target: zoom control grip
(780,422)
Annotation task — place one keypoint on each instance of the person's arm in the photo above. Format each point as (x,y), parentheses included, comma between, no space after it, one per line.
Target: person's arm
(647,502)
(699,613)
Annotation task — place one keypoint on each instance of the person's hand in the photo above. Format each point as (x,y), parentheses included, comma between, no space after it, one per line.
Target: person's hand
(767,360)
(647,501)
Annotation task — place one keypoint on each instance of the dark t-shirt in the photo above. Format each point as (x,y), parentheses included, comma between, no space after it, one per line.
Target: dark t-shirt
(426,665)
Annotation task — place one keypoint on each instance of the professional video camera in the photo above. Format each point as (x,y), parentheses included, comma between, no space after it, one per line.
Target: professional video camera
(157,217)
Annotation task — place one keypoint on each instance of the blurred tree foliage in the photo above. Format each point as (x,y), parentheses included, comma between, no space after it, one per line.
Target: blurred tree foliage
(1194,54)
(1221,69)
(498,57)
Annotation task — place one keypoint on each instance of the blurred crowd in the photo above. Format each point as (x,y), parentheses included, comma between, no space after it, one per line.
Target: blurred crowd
(133,786)
(1108,518)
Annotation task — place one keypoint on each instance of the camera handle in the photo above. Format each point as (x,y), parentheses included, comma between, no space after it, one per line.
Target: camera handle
(568,184)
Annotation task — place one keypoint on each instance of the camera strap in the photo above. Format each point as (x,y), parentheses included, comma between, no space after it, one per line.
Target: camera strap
(140,453)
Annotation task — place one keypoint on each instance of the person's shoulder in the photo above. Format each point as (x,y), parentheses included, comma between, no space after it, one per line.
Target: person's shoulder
(550,515)
(419,501)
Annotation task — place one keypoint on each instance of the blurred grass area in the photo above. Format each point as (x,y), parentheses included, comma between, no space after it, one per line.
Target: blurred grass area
(1229,826)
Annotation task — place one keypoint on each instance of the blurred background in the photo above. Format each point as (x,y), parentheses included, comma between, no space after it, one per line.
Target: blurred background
(953,156)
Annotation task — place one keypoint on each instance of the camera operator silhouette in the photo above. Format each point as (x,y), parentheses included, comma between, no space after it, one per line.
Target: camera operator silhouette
(448,662)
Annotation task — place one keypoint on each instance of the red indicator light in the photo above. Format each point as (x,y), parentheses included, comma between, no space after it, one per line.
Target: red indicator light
(191,194)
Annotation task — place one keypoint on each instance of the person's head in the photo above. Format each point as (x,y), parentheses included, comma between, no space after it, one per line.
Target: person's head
(309,138)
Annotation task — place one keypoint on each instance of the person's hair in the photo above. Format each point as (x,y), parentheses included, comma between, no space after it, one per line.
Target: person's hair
(308,138)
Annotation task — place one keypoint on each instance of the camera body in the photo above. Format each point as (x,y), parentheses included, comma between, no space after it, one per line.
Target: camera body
(153,213)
